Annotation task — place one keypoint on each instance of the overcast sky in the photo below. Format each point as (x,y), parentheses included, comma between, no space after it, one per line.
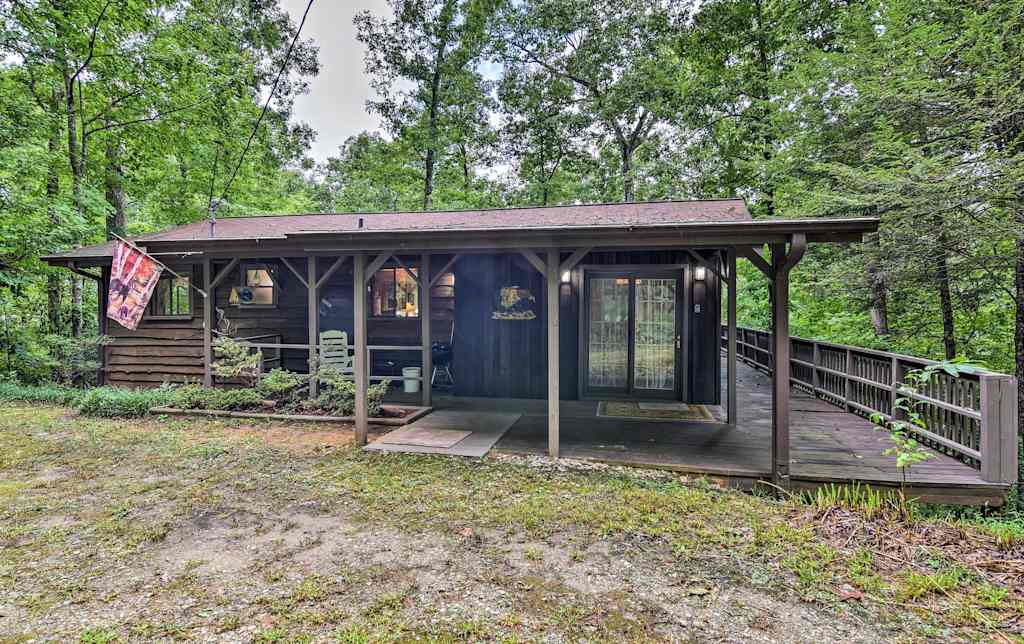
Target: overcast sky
(336,103)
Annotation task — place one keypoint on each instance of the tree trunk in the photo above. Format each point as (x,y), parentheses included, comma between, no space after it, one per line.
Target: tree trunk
(54,280)
(879,299)
(627,172)
(74,151)
(428,169)
(77,171)
(76,306)
(115,190)
(465,166)
(946,303)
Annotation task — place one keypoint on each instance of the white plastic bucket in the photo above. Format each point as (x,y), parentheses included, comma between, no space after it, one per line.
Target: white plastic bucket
(408,373)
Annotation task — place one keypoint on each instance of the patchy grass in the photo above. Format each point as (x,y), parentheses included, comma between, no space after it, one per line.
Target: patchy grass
(204,529)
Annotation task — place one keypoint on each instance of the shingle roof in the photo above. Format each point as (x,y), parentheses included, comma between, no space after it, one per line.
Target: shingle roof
(579,216)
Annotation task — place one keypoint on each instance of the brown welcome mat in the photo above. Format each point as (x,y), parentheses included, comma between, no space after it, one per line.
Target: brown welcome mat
(654,411)
(424,437)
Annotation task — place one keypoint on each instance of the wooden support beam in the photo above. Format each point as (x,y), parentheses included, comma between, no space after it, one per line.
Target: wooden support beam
(102,293)
(359,330)
(730,369)
(700,259)
(84,273)
(375,265)
(447,267)
(313,319)
(338,263)
(782,263)
(428,357)
(576,257)
(208,322)
(297,274)
(554,398)
(536,261)
(414,276)
(215,282)
(757,260)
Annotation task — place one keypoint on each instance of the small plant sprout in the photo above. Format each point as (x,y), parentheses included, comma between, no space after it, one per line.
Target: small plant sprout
(908,418)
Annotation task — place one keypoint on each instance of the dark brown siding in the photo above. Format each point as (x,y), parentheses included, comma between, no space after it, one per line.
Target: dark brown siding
(158,351)
(508,358)
(505,358)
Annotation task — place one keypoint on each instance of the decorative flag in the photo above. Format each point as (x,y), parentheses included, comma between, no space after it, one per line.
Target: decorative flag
(133,276)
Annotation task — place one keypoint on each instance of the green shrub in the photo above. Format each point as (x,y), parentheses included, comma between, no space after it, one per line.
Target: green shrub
(338,396)
(111,402)
(199,397)
(236,360)
(47,394)
(280,385)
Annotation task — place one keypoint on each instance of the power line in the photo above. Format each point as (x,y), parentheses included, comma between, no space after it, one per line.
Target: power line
(263,113)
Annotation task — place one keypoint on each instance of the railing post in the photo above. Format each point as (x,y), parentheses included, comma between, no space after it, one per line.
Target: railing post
(897,380)
(815,361)
(848,392)
(998,428)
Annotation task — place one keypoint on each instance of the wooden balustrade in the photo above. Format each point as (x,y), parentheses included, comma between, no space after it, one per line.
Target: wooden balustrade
(972,417)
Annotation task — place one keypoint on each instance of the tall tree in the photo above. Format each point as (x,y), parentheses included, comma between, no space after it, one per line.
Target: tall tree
(609,51)
(421,61)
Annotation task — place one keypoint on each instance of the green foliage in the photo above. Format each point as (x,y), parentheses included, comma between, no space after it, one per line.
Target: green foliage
(909,418)
(199,397)
(338,395)
(47,394)
(281,385)
(113,402)
(236,360)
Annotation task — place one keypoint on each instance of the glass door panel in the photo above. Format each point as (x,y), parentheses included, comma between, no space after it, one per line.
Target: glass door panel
(654,333)
(608,341)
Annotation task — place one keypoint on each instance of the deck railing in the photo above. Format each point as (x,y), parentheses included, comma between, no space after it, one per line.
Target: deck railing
(972,417)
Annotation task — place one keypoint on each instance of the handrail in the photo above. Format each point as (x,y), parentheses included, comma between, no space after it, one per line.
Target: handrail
(972,416)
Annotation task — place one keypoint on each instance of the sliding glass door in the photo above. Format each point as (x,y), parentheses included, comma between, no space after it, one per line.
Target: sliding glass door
(632,334)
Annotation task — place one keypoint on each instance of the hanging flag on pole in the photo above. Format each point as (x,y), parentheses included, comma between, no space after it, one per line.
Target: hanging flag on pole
(133,276)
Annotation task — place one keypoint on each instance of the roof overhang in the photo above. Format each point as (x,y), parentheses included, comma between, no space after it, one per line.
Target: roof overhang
(648,236)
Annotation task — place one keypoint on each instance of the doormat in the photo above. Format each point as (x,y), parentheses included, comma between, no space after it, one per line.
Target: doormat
(654,411)
(425,437)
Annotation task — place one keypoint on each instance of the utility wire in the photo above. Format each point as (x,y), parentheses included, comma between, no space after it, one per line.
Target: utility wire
(263,113)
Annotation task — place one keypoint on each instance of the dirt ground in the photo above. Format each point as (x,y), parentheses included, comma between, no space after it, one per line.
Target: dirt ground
(211,531)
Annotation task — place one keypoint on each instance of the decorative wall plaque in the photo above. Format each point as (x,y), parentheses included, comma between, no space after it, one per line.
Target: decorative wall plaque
(514,303)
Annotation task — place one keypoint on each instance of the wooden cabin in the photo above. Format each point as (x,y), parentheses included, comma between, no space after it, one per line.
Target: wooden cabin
(546,309)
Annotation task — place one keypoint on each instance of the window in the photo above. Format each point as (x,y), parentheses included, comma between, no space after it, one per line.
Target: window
(171,298)
(394,293)
(257,288)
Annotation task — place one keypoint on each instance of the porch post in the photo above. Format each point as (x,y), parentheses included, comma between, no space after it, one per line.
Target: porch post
(553,274)
(782,263)
(208,323)
(359,330)
(730,369)
(428,359)
(313,317)
(102,287)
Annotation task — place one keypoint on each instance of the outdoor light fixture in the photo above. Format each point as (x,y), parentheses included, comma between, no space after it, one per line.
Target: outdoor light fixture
(566,277)
(700,273)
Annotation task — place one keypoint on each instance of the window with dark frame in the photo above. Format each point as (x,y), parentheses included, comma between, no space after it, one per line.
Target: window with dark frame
(172,298)
(394,293)
(259,283)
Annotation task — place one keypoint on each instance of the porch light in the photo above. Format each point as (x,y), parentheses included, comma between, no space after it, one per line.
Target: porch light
(700,273)
(566,277)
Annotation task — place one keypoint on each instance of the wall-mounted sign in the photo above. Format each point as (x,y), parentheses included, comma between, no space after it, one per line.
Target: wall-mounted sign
(514,303)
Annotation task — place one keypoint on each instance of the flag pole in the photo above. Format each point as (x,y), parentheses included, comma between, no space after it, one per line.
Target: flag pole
(162,265)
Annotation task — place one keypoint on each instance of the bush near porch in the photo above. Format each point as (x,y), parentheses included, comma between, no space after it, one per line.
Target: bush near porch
(279,391)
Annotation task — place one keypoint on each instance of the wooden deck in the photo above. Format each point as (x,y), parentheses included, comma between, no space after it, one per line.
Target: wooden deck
(827,444)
